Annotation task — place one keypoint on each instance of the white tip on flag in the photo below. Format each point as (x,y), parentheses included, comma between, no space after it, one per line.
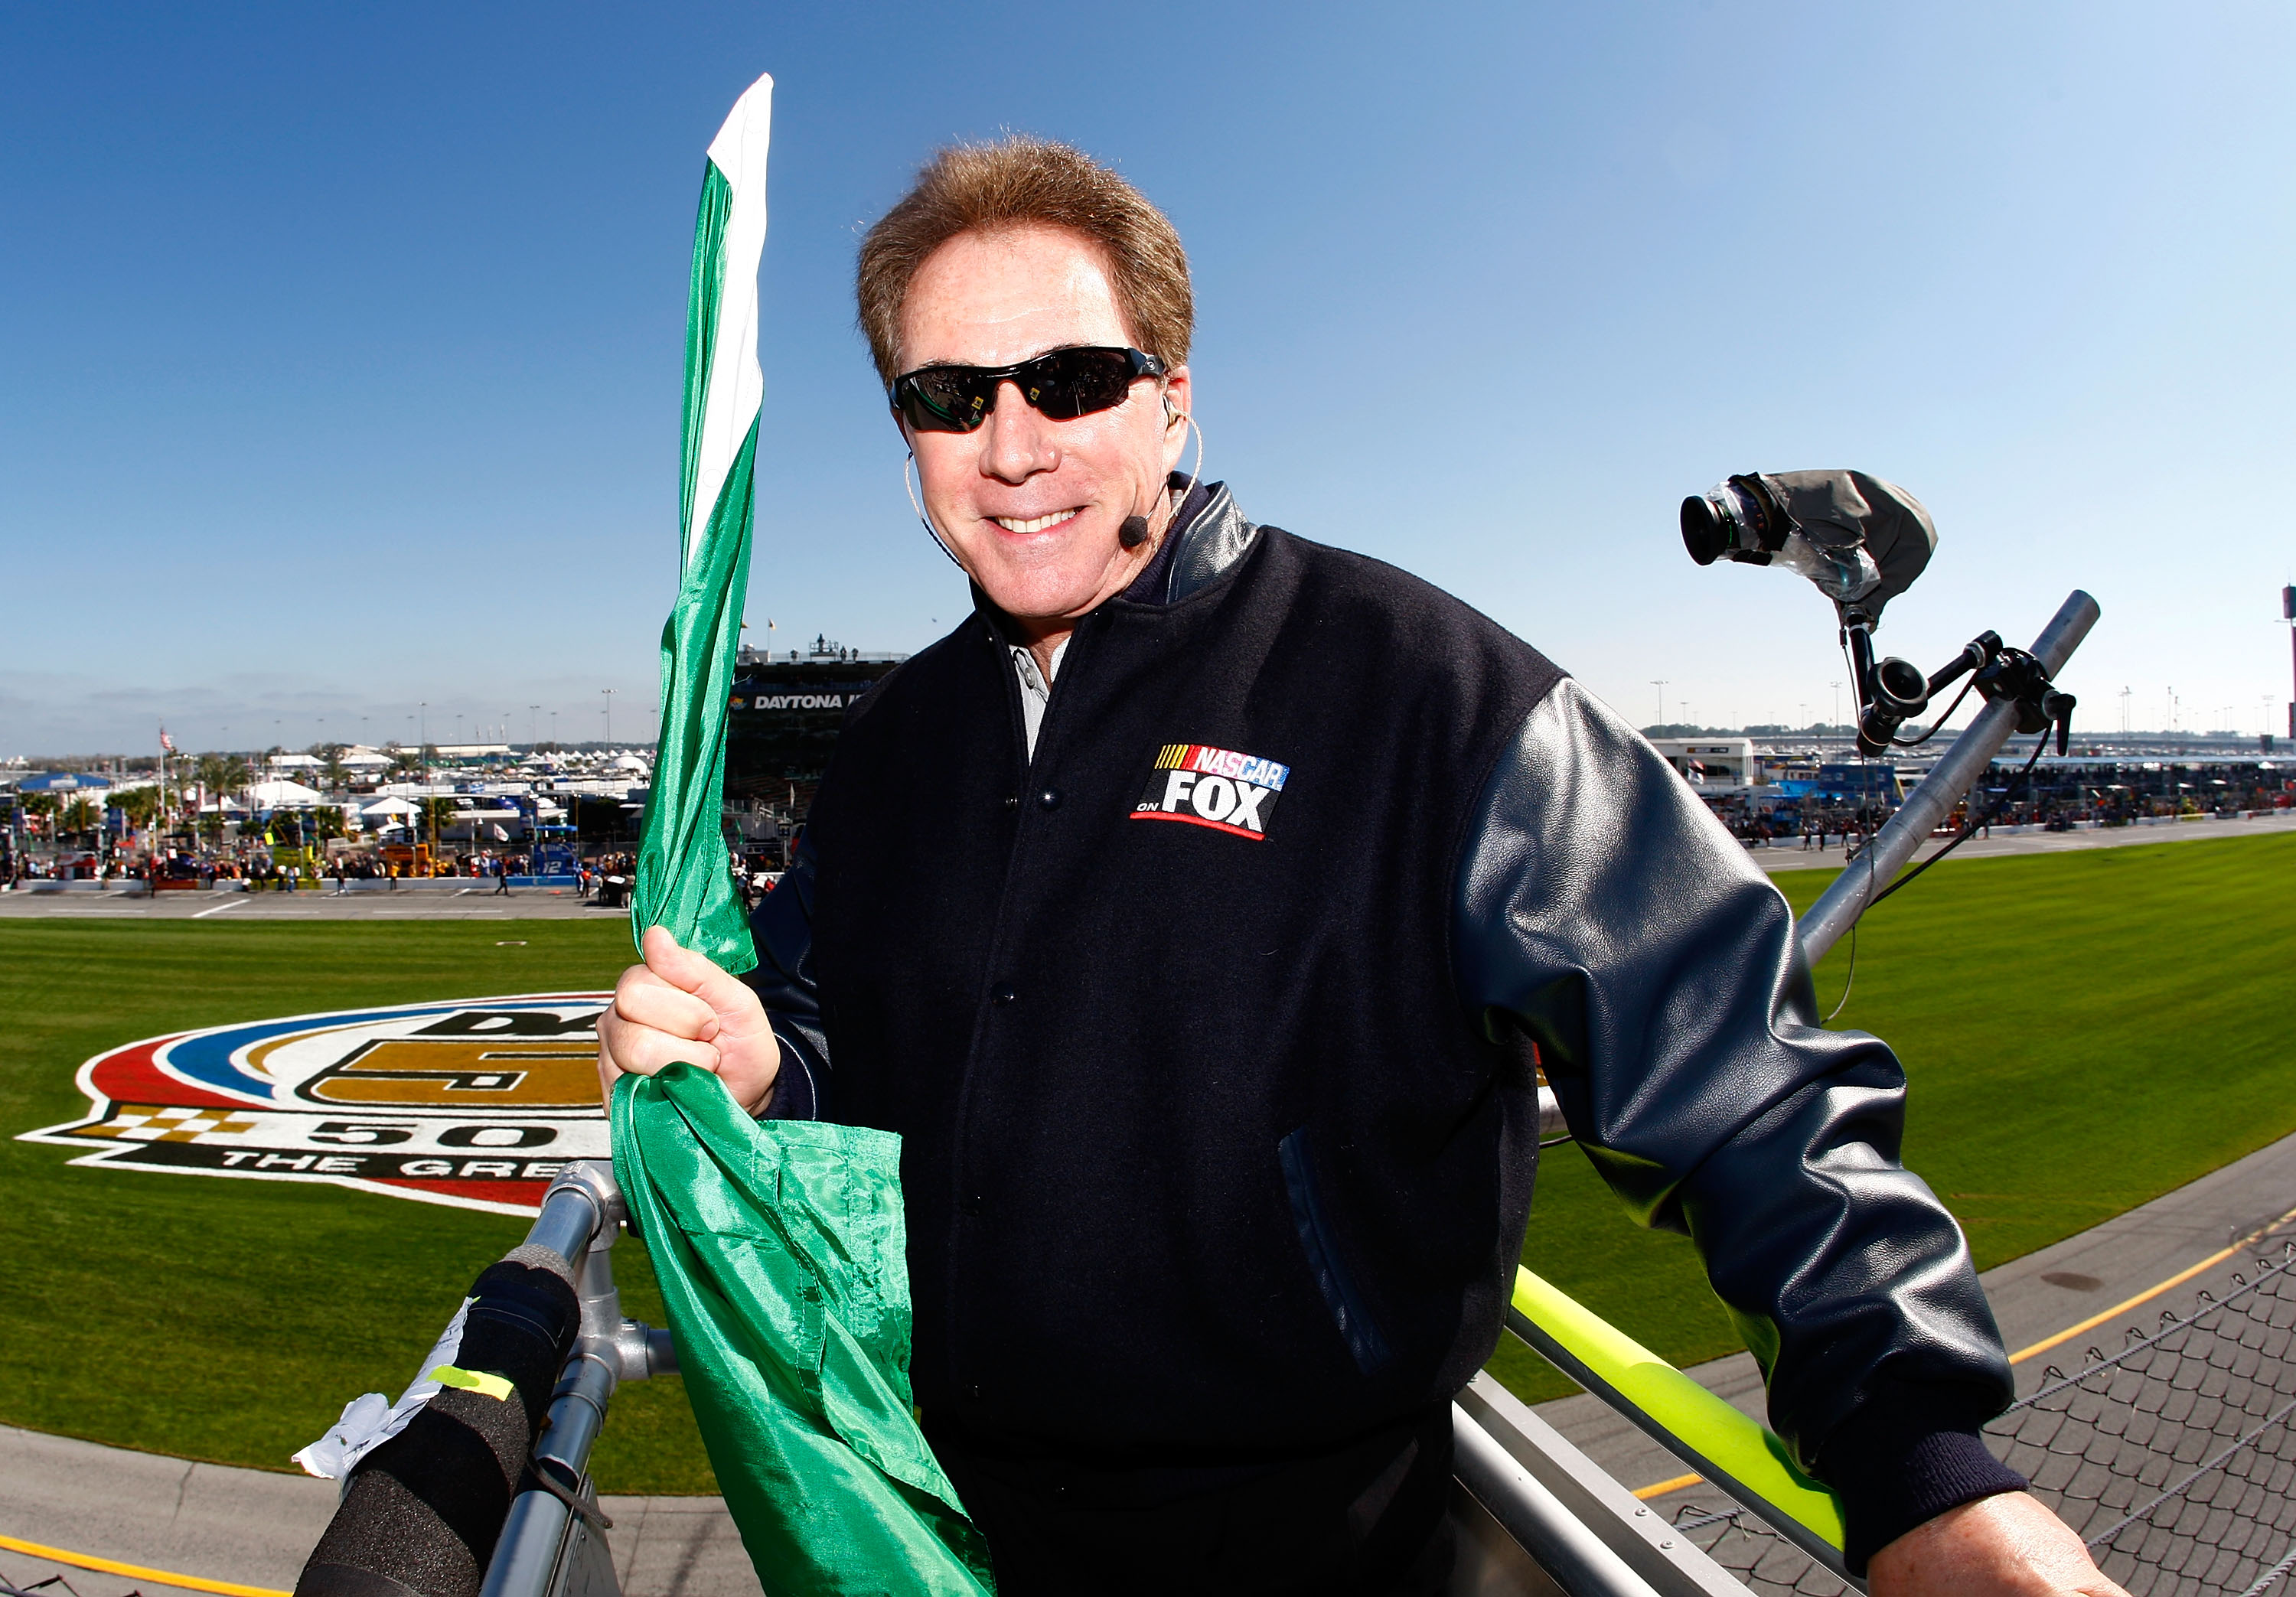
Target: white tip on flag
(735,386)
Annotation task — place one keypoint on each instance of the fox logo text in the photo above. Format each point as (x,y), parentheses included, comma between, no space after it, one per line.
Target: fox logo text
(476,1102)
(1217,788)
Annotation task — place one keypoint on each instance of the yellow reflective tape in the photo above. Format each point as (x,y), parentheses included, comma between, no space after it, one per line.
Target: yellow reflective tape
(164,1577)
(474,1380)
(1732,1445)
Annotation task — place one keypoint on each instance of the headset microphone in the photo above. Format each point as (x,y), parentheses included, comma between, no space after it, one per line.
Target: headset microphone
(1132,532)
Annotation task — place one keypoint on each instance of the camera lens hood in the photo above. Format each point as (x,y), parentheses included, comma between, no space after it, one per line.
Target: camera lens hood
(1704,533)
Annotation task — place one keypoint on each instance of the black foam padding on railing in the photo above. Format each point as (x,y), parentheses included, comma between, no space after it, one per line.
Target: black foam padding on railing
(423,1510)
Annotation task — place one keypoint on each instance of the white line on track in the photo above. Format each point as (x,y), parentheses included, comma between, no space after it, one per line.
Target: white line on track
(441,914)
(218,909)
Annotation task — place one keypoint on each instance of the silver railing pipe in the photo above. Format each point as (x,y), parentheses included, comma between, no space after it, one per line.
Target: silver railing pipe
(552,1543)
(1589,1534)
(1861,881)
(568,1221)
(544,1534)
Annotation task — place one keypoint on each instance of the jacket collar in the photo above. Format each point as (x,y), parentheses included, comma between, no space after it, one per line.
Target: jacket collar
(1211,535)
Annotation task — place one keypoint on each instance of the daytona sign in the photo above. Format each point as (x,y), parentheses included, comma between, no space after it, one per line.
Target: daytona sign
(476,1102)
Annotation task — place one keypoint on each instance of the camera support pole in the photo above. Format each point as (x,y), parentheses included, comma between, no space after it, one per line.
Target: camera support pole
(1853,892)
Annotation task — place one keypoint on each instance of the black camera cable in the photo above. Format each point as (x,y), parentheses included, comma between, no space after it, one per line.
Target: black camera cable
(1969,827)
(1968,830)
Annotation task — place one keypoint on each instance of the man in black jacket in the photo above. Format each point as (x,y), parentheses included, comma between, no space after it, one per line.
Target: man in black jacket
(1199,910)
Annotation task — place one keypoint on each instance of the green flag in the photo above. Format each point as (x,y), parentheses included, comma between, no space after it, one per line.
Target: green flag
(780,1250)
(779,1245)
(684,881)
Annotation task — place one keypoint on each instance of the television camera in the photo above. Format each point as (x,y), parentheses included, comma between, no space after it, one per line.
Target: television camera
(1862,542)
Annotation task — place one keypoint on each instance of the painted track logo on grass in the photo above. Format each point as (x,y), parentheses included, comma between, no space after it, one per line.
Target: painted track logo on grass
(476,1102)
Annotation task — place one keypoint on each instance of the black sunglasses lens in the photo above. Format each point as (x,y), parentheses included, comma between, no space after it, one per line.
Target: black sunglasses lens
(1067,383)
(945,399)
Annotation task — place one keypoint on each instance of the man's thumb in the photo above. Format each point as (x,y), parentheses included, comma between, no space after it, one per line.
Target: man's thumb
(679,966)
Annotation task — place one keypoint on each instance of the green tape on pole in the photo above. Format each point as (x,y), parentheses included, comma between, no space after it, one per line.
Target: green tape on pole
(1738,1454)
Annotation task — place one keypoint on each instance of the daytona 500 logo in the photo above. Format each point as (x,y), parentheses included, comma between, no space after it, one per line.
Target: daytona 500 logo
(476,1102)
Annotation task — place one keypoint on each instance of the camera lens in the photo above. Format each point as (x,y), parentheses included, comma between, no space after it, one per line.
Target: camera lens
(1704,532)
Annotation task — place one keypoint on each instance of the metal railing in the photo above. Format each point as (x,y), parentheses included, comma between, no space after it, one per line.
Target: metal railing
(552,1543)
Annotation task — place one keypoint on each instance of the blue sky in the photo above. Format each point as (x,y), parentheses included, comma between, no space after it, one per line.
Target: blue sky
(339,347)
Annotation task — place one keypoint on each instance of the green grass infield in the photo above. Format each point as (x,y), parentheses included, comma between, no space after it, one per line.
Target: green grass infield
(2083,1031)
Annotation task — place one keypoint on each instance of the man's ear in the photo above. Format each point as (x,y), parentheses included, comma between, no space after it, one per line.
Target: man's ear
(1179,401)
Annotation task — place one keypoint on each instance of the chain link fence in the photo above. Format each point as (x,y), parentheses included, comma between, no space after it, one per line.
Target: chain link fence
(2174,1458)
(50,1587)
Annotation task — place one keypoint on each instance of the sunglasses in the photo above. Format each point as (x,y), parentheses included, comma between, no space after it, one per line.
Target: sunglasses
(1063,384)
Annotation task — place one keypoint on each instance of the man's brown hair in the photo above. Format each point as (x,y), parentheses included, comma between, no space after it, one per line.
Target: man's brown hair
(1015,183)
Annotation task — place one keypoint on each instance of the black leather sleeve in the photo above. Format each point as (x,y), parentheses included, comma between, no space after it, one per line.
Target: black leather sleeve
(782,927)
(1603,909)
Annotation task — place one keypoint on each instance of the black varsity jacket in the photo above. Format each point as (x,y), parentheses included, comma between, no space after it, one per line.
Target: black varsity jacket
(1209,1031)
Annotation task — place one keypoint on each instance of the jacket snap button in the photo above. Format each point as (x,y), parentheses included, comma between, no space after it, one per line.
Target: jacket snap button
(1050,798)
(1004,995)
(1012,801)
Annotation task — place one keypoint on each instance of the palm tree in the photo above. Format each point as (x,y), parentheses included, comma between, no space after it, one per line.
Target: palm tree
(221,773)
(80,814)
(139,804)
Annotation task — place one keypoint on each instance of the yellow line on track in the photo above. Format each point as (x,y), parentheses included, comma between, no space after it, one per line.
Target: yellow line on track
(2146,1296)
(104,1566)
(1659,1488)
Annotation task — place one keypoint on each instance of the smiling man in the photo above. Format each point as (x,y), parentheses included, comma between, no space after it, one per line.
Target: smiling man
(1218,1134)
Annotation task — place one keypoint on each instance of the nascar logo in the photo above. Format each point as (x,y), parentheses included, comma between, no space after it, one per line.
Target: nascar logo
(1218,788)
(476,1102)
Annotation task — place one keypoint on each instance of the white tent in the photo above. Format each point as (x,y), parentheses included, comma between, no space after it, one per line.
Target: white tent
(366,759)
(292,762)
(282,795)
(392,806)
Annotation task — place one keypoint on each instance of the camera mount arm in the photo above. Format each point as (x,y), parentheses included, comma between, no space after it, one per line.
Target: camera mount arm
(1891,690)
(2019,698)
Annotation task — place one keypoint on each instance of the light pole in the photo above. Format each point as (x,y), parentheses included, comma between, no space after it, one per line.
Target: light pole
(1830,725)
(1660,683)
(533,726)
(2287,614)
(609,693)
